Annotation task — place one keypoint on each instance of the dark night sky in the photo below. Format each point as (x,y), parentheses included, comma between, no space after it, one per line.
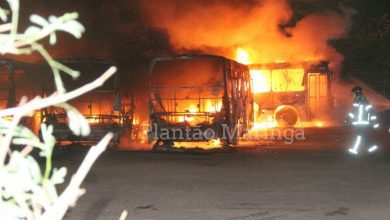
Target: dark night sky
(114,31)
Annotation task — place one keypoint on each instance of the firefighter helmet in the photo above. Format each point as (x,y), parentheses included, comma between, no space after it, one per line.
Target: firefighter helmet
(357,90)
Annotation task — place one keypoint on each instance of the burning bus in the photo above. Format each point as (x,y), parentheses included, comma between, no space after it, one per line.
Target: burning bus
(7,83)
(104,107)
(197,98)
(288,94)
(17,80)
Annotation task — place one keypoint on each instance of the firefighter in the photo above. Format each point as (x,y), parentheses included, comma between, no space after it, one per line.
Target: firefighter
(363,119)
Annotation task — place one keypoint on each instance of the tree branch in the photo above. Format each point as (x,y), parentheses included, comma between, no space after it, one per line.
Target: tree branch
(55,99)
(71,193)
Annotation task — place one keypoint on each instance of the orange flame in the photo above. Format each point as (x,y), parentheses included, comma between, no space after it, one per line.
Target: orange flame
(261,80)
(249,26)
(242,56)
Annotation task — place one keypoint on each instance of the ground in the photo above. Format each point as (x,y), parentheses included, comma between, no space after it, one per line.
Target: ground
(269,182)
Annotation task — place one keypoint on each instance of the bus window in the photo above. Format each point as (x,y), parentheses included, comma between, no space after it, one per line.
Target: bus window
(261,80)
(288,80)
(196,72)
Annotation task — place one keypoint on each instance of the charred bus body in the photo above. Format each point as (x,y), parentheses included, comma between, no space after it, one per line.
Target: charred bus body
(198,98)
(18,79)
(103,107)
(287,94)
(8,69)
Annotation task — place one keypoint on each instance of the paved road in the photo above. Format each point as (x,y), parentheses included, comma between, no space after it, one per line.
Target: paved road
(249,184)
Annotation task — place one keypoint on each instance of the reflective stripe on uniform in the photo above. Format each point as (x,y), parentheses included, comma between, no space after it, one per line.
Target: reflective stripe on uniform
(356,146)
(373,148)
(360,123)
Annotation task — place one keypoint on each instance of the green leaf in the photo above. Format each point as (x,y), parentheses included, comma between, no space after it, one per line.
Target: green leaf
(53,38)
(58,175)
(34,169)
(14,5)
(77,122)
(50,189)
(32,30)
(4,14)
(73,27)
(39,20)
(73,73)
(48,139)
(10,210)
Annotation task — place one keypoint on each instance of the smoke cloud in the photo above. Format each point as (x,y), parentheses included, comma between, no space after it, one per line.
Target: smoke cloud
(223,26)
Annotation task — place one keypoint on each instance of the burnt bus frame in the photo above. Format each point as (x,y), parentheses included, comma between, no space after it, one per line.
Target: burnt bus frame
(11,99)
(15,69)
(231,118)
(321,67)
(58,118)
(61,131)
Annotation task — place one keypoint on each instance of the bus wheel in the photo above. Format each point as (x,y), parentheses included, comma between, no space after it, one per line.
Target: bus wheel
(286,116)
(162,144)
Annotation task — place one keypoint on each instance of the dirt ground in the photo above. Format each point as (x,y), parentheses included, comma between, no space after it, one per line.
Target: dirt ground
(268,182)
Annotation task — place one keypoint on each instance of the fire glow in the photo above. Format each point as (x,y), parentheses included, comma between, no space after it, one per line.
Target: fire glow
(192,111)
(261,83)
(242,56)
(255,28)
(252,34)
(274,80)
(213,143)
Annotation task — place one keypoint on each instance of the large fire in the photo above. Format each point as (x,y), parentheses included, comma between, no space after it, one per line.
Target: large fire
(191,116)
(213,143)
(250,32)
(242,56)
(261,81)
(279,80)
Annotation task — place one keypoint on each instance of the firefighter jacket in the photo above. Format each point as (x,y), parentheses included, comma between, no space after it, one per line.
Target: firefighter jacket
(363,114)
